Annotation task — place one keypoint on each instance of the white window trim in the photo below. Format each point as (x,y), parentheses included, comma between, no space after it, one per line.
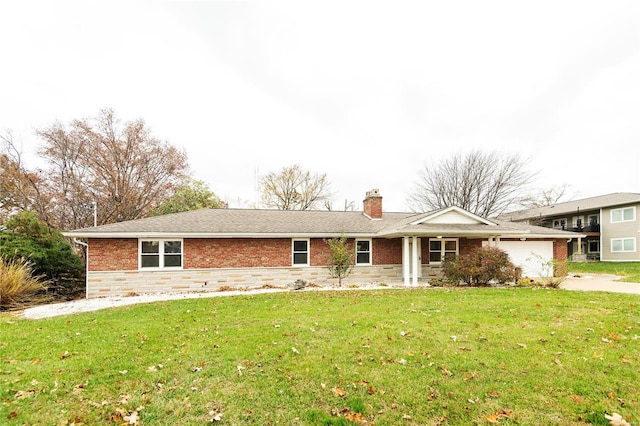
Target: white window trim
(300,265)
(621,210)
(160,254)
(370,251)
(442,250)
(633,250)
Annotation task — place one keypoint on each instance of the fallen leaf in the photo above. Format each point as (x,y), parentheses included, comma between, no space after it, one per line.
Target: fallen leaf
(295,351)
(356,418)
(132,418)
(339,392)
(616,420)
(371,390)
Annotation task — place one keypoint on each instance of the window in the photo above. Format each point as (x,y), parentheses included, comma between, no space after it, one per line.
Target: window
(301,252)
(161,254)
(594,246)
(626,214)
(620,245)
(560,223)
(442,248)
(363,252)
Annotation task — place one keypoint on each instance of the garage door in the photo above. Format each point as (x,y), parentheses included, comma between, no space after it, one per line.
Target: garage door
(522,254)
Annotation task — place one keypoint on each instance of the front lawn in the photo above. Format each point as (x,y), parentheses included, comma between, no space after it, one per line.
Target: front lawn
(629,270)
(389,357)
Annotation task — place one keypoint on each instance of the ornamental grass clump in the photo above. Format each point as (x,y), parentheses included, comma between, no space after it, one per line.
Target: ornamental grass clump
(18,284)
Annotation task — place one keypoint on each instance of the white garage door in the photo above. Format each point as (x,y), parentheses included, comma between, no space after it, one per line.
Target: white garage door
(523,254)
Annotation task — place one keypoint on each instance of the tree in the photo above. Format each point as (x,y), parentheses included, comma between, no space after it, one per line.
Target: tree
(121,167)
(483,183)
(19,188)
(294,189)
(340,260)
(544,197)
(192,195)
(24,237)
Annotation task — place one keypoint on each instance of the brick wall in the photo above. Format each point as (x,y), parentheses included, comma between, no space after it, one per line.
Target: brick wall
(114,254)
(236,253)
(201,253)
(560,254)
(387,252)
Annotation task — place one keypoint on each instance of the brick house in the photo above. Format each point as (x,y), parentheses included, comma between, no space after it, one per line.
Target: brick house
(209,248)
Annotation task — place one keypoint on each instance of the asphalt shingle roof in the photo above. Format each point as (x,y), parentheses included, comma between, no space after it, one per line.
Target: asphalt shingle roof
(249,223)
(585,204)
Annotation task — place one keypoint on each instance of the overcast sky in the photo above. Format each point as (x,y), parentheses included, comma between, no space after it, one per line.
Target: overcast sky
(367,92)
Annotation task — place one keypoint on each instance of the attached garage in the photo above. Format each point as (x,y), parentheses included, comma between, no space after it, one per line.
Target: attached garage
(531,256)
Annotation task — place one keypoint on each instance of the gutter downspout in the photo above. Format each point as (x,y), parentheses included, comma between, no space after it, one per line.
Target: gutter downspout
(86,274)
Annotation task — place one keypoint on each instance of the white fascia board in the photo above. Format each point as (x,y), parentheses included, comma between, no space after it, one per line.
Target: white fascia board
(456,209)
(209,235)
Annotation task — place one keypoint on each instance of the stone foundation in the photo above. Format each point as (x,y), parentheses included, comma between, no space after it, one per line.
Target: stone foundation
(120,283)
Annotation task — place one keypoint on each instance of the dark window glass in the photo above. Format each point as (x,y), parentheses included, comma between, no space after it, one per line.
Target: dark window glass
(171,260)
(300,245)
(172,247)
(150,261)
(299,258)
(150,247)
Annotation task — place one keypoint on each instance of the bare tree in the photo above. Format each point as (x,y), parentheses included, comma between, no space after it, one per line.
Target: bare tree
(545,197)
(20,189)
(118,166)
(294,189)
(483,183)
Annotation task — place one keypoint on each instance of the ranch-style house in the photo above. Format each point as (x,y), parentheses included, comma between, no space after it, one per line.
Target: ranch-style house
(246,248)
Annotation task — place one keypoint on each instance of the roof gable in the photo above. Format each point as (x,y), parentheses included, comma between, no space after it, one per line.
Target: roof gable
(453,216)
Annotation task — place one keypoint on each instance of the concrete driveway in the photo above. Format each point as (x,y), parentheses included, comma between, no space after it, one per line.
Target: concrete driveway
(599,282)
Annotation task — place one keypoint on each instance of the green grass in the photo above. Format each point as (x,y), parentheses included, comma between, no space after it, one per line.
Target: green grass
(629,270)
(389,357)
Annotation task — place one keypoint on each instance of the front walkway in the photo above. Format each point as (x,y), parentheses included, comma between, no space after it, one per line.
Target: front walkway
(599,282)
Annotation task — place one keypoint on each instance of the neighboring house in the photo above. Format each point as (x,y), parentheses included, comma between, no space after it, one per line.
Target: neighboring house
(610,222)
(209,248)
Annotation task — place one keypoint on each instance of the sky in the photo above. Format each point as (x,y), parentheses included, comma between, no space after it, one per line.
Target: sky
(367,92)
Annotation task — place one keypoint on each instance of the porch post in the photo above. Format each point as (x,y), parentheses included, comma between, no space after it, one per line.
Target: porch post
(405,261)
(415,260)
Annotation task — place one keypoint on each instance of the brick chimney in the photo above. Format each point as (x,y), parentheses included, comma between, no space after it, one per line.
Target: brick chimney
(373,204)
